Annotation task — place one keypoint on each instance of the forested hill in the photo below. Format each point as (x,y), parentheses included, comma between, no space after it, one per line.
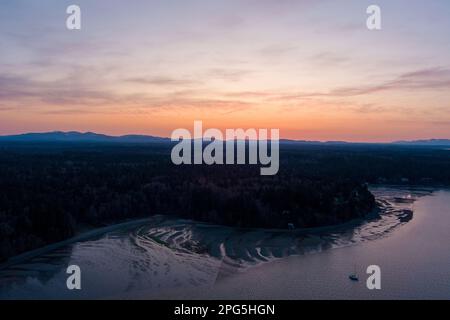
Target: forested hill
(50,190)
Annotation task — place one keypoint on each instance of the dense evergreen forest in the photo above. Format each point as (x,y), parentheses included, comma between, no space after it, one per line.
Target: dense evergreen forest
(50,191)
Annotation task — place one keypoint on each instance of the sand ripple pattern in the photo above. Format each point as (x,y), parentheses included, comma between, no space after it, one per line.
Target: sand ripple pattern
(239,248)
(164,254)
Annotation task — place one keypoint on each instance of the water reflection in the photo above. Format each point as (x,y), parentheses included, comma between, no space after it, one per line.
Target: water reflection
(169,254)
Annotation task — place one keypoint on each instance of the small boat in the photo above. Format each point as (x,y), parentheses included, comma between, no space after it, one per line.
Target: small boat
(353,277)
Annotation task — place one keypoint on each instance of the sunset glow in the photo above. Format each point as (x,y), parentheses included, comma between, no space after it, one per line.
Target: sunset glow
(310,68)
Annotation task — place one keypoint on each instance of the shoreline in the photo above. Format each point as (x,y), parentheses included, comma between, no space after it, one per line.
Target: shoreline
(80,237)
(294,275)
(95,232)
(86,235)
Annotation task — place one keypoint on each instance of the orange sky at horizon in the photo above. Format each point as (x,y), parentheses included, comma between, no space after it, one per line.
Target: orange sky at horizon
(295,128)
(153,67)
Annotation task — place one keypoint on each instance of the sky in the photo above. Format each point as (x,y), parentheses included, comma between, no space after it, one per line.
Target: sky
(309,68)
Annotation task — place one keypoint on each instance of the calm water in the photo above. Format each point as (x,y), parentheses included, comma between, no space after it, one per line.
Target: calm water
(170,258)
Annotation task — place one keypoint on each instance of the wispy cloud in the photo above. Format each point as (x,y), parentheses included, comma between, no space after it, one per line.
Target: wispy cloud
(225,74)
(432,78)
(425,79)
(73,95)
(163,81)
(277,50)
(328,58)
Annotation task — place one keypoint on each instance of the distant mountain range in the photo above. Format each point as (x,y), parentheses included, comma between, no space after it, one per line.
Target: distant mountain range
(429,142)
(74,136)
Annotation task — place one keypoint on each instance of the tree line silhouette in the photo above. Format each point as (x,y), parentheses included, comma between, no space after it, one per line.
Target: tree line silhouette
(51,191)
